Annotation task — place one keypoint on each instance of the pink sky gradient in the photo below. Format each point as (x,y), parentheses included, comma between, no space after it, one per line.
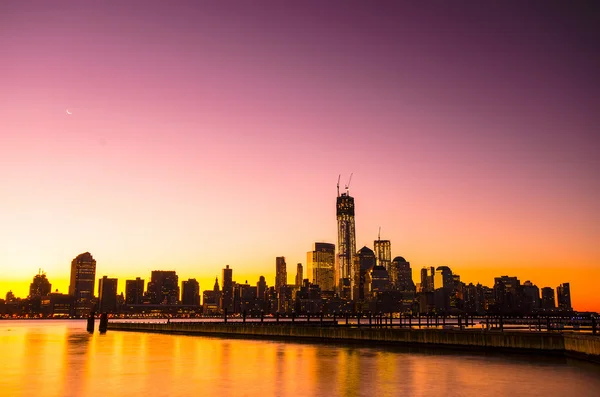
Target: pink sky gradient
(210,135)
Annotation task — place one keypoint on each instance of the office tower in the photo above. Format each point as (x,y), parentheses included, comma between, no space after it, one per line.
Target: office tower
(563,294)
(401,275)
(321,266)
(299,275)
(346,243)
(424,280)
(211,299)
(107,295)
(380,279)
(134,291)
(531,297)
(261,288)
(190,292)
(364,263)
(383,253)
(81,286)
(280,272)
(40,286)
(163,288)
(548,302)
(227,294)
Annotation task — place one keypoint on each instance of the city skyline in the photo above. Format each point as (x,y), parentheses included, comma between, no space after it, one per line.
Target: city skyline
(217,139)
(156,292)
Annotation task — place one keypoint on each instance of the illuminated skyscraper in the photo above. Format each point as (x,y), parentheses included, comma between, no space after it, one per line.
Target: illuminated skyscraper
(563,293)
(383,253)
(346,243)
(81,286)
(321,266)
(227,294)
(107,295)
(280,272)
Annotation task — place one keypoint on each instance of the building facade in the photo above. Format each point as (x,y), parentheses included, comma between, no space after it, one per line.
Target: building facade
(321,266)
(82,282)
(190,292)
(134,291)
(346,245)
(107,295)
(163,288)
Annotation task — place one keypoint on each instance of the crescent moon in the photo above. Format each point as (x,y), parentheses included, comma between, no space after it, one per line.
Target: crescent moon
(68,112)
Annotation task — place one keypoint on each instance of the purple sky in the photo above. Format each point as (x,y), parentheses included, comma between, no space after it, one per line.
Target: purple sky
(210,134)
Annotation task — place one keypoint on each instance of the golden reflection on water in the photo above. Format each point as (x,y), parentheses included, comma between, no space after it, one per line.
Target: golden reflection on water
(58,358)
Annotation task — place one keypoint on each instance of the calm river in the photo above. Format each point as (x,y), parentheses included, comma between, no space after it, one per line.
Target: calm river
(59,358)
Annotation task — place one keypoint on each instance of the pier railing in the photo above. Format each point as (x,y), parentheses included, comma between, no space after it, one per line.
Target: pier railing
(489,323)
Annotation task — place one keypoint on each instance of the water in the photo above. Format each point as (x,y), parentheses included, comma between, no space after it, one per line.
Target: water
(59,358)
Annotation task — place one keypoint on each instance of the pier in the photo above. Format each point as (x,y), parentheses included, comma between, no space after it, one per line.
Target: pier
(570,344)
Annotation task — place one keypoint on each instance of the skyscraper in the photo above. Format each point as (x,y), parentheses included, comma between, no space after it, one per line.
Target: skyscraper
(227,294)
(321,266)
(280,272)
(401,275)
(134,291)
(261,288)
(190,292)
(365,261)
(81,286)
(163,288)
(346,242)
(563,294)
(107,295)
(548,302)
(299,275)
(383,253)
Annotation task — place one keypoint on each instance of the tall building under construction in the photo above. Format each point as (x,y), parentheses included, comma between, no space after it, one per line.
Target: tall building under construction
(346,241)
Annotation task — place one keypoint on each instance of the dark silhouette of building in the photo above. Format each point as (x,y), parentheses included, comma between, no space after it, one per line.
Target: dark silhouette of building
(548,302)
(380,279)
(474,299)
(346,243)
(401,275)
(107,295)
(163,288)
(531,297)
(299,275)
(134,291)
(280,272)
(81,286)
(563,295)
(507,295)
(190,292)
(261,288)
(211,299)
(40,286)
(428,279)
(321,266)
(365,261)
(227,294)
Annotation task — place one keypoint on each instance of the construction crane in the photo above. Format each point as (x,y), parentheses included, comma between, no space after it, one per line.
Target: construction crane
(348,184)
